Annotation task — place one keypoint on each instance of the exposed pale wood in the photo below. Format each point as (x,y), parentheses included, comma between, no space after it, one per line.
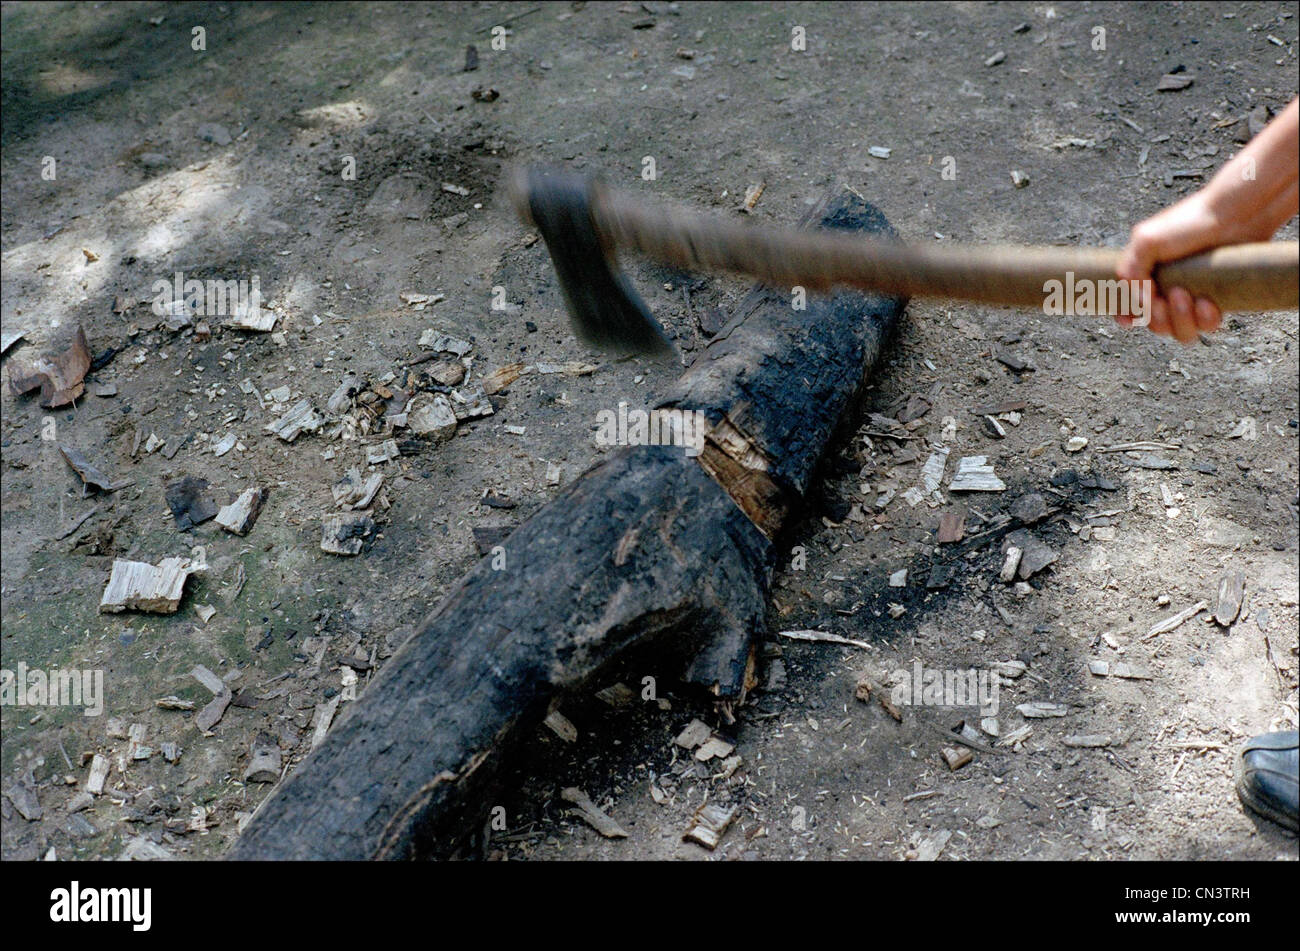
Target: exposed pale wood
(99,767)
(247,317)
(561,726)
(823,637)
(709,824)
(345,533)
(596,817)
(434,418)
(299,418)
(975,475)
(139,586)
(238,517)
(1228,604)
(1176,620)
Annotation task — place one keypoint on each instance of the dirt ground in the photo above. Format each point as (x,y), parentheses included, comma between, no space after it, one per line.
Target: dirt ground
(715,94)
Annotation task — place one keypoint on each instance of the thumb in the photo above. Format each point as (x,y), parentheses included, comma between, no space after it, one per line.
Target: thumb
(1140,255)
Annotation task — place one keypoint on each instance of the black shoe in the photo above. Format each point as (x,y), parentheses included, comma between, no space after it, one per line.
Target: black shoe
(1268,777)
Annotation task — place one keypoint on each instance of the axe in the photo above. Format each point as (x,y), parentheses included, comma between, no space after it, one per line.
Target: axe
(584,224)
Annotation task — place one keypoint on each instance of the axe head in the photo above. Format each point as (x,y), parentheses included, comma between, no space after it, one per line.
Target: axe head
(606,312)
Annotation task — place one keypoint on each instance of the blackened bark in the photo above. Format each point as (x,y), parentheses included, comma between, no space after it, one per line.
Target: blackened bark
(651,544)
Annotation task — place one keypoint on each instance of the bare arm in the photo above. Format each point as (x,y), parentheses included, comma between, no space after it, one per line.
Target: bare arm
(1248,199)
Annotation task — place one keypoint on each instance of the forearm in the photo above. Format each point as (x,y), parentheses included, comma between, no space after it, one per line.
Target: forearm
(1257,191)
(1253,195)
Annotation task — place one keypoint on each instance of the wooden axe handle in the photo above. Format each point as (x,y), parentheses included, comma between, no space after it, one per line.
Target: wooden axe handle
(1259,276)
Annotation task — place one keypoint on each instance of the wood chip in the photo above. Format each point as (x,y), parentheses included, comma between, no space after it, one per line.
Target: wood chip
(245,315)
(323,717)
(24,798)
(421,301)
(1011,669)
(139,849)
(264,760)
(76,522)
(617,695)
(957,758)
(1170,623)
(822,637)
(952,527)
(695,733)
(173,703)
(224,446)
(445,343)
(1011,361)
(561,726)
(1142,445)
(384,452)
(1035,553)
(1010,565)
(470,403)
(434,418)
(238,517)
(340,400)
(211,714)
(301,417)
(89,473)
(211,681)
(1228,604)
(1247,429)
(1016,736)
(715,747)
(99,767)
(997,409)
(488,537)
(10,337)
(1172,82)
(354,492)
(931,848)
(1103,668)
(59,375)
(709,824)
(932,471)
(139,586)
(975,475)
(592,814)
(574,368)
(344,533)
(864,687)
(190,502)
(1042,709)
(501,377)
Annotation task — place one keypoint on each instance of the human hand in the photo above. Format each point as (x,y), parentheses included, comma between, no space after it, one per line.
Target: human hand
(1180,230)
(1253,195)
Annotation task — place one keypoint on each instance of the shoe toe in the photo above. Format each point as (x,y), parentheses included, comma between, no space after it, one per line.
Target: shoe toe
(1269,780)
